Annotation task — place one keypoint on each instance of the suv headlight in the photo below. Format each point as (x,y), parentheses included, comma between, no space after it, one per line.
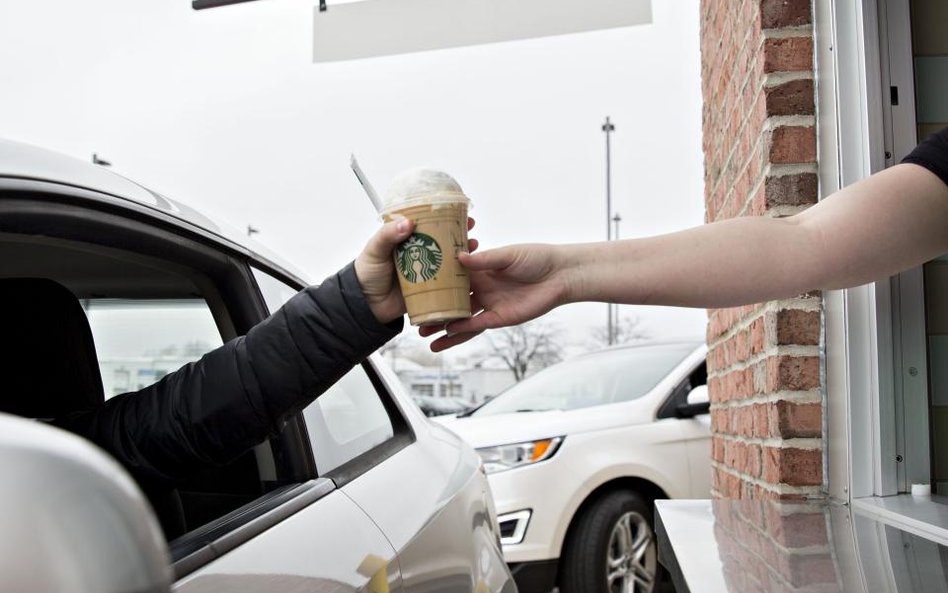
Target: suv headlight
(503,457)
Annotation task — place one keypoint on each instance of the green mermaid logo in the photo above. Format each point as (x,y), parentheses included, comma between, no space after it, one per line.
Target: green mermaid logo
(419,258)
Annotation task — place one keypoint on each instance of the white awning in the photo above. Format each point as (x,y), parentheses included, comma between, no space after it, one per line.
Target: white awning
(372,28)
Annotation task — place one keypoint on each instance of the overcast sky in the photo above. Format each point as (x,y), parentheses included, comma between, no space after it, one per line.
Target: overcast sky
(224,109)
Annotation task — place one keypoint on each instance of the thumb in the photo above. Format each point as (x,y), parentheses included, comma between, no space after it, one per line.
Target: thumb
(492,259)
(384,241)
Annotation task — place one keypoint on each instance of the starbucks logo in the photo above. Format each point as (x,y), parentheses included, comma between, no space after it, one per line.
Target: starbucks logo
(419,258)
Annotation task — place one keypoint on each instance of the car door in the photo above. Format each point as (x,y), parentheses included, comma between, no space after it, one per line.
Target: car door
(328,544)
(416,481)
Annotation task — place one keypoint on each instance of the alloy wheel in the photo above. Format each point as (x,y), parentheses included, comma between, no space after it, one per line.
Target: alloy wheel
(631,563)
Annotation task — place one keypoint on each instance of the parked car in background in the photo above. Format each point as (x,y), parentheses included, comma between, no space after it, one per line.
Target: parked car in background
(576,455)
(358,492)
(440,406)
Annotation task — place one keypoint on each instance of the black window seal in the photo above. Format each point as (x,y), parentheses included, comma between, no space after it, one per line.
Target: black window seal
(205,544)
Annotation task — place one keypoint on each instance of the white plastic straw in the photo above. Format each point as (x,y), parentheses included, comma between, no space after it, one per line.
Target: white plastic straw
(366,185)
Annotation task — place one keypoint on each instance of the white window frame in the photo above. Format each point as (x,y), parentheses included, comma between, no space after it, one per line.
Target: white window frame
(865,366)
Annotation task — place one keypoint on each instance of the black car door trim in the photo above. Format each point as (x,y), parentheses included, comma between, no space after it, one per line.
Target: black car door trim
(205,544)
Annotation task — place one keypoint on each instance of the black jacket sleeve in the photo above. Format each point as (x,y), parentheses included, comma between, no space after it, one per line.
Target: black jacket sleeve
(932,153)
(214,409)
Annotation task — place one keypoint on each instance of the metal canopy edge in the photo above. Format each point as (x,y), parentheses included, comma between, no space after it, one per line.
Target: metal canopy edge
(374,28)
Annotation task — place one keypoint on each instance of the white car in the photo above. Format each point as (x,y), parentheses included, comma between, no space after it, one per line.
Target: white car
(358,492)
(576,455)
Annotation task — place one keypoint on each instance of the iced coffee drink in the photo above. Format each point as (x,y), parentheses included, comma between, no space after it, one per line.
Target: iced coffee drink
(435,285)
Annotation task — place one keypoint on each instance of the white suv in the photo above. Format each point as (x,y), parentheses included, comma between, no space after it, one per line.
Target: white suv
(576,455)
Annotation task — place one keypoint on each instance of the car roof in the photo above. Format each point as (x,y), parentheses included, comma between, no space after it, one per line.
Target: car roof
(24,161)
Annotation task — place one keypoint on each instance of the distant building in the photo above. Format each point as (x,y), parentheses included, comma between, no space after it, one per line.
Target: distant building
(472,385)
(121,375)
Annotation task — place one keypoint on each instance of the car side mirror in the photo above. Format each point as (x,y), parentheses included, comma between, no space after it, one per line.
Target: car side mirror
(697,402)
(73,520)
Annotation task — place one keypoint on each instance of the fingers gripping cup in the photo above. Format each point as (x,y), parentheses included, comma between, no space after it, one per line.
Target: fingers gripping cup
(435,286)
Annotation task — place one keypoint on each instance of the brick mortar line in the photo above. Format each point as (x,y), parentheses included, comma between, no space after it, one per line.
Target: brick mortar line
(809,396)
(785,169)
(775,79)
(801,303)
(789,121)
(778,488)
(801,31)
(790,350)
(804,443)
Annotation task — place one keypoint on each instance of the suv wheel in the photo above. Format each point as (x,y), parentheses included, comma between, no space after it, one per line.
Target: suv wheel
(612,549)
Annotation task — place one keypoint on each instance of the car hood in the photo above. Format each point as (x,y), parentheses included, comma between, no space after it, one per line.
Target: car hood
(518,427)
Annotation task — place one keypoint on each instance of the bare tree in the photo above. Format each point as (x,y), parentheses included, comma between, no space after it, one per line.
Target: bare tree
(525,347)
(627,330)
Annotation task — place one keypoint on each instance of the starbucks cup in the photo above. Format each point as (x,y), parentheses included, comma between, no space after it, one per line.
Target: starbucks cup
(435,286)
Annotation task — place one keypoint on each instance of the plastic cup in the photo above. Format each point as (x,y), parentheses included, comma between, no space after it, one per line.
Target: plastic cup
(435,286)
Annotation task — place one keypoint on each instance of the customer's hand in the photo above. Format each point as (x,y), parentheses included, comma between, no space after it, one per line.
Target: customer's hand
(509,286)
(375,269)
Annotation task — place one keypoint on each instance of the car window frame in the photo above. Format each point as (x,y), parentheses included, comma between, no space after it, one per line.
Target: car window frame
(403,433)
(679,394)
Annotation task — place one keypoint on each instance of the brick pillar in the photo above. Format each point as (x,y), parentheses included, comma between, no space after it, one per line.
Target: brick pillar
(759,141)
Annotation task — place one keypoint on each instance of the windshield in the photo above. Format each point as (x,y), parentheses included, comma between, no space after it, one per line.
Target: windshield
(594,380)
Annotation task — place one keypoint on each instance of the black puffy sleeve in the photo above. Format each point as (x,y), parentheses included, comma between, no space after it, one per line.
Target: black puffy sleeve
(212,410)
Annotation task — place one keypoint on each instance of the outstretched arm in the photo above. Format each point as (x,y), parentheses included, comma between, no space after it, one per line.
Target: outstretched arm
(870,230)
(867,231)
(212,410)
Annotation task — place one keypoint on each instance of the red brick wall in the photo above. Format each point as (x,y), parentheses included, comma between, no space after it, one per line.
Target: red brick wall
(769,547)
(759,142)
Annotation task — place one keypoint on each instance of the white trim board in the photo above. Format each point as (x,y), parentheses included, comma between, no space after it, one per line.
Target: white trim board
(373,28)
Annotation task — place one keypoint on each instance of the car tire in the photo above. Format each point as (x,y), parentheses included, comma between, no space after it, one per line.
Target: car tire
(612,549)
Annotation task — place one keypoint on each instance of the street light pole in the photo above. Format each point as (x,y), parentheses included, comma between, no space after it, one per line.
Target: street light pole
(608,128)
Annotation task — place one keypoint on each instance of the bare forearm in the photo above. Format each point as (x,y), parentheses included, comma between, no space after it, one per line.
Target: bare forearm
(867,231)
(708,266)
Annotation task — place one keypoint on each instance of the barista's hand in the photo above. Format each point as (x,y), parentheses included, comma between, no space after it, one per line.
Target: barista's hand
(375,269)
(509,285)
